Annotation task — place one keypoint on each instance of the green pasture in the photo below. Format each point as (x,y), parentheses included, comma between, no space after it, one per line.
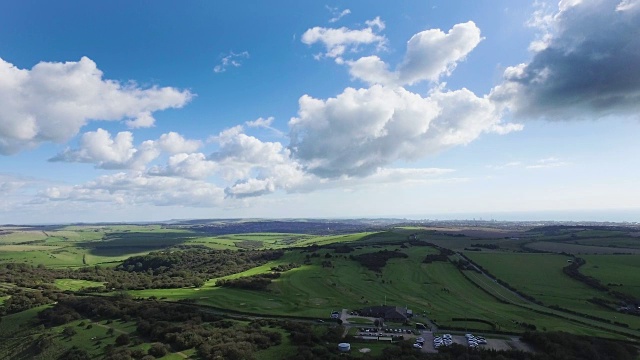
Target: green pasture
(278,352)
(332,239)
(360,320)
(22,236)
(75,285)
(13,325)
(541,276)
(252,240)
(612,242)
(621,271)
(55,257)
(69,236)
(437,291)
(578,249)
(374,348)
(566,322)
(460,243)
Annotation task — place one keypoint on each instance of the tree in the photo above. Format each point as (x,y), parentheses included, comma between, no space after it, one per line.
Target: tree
(75,354)
(158,350)
(69,331)
(123,339)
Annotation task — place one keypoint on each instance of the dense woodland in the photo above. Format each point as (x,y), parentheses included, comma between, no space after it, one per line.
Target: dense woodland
(163,269)
(377,260)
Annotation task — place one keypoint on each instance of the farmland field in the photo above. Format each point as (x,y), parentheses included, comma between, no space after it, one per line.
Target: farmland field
(75,285)
(579,249)
(541,276)
(622,271)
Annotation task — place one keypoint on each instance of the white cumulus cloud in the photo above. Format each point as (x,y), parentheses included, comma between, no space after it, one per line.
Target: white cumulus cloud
(362,130)
(430,54)
(191,166)
(119,152)
(174,143)
(52,101)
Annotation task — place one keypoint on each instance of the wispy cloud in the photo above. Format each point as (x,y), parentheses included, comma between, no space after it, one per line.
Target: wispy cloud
(337,14)
(510,164)
(340,40)
(264,123)
(550,162)
(231,60)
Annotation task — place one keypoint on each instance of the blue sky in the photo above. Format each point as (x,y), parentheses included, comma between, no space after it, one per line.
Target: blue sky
(132,111)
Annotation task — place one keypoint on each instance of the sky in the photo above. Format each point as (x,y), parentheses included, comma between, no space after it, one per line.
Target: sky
(147,111)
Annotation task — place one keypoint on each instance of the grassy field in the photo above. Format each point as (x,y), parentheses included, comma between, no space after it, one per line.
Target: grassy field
(22,236)
(622,271)
(612,242)
(75,285)
(579,249)
(541,276)
(437,290)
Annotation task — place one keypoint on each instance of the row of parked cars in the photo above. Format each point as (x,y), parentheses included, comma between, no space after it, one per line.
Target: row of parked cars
(386,330)
(475,341)
(444,340)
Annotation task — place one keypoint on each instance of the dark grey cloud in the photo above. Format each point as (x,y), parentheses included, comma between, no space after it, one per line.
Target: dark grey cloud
(589,67)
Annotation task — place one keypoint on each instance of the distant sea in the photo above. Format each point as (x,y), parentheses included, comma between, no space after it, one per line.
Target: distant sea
(623,215)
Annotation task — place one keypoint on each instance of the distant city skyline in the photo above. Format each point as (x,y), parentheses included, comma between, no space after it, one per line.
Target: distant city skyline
(124,111)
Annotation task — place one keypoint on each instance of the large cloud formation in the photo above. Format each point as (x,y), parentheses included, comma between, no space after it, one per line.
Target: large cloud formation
(52,101)
(586,64)
(363,130)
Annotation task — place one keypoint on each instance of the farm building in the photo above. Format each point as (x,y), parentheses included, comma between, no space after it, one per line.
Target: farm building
(388,313)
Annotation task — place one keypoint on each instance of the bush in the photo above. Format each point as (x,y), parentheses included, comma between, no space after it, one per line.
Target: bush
(123,339)
(75,354)
(158,350)
(69,331)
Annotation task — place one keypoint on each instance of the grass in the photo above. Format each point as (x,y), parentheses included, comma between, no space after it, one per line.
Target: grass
(613,242)
(622,271)
(541,276)
(558,247)
(360,320)
(13,324)
(75,285)
(571,323)
(21,236)
(375,348)
(438,291)
(284,350)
